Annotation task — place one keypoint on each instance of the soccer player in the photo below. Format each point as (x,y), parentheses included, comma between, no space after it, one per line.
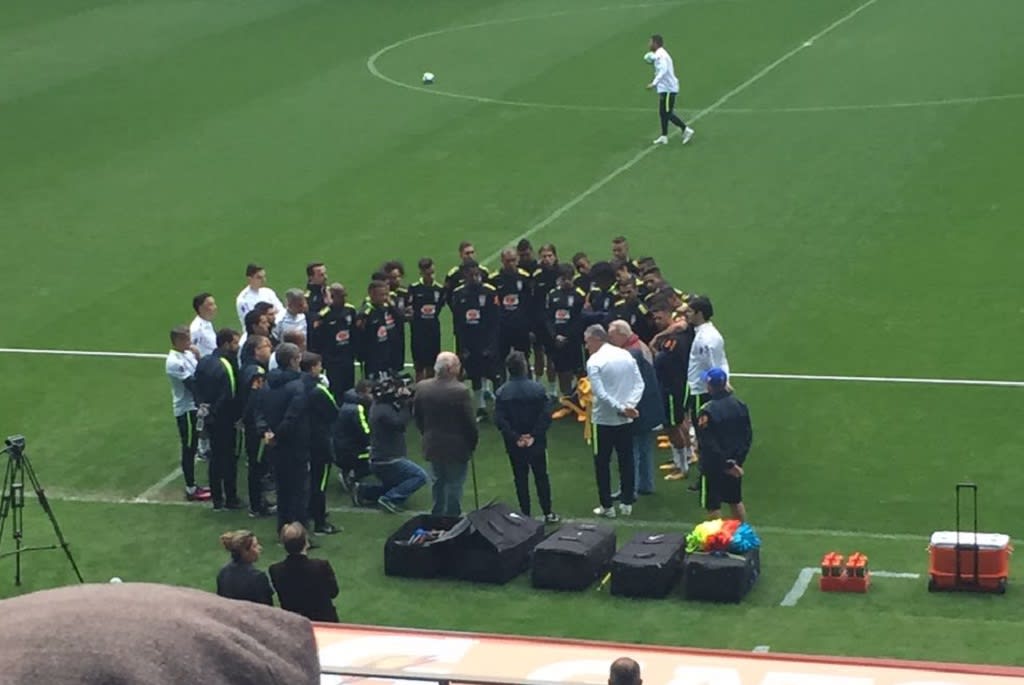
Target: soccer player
(581,262)
(707,352)
(671,360)
(545,279)
(667,86)
(377,336)
(316,294)
(181,368)
(620,252)
(564,322)
(600,296)
(204,337)
(526,260)
(426,299)
(335,339)
(256,291)
(475,313)
(394,272)
(455,276)
(514,289)
(630,309)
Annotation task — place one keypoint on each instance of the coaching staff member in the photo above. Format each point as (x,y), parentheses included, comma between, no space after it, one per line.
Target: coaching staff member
(443,410)
(521,414)
(283,416)
(305,586)
(724,435)
(216,386)
(617,387)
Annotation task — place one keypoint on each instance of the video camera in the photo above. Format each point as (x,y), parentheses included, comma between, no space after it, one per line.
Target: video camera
(392,388)
(15,444)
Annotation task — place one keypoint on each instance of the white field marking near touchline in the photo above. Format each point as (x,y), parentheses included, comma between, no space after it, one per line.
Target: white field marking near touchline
(807,576)
(910,380)
(640,156)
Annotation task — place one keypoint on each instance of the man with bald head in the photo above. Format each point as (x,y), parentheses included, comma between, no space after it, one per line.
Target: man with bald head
(443,409)
(624,671)
(334,339)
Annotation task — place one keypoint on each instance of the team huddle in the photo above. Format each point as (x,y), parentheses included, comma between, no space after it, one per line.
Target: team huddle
(533,303)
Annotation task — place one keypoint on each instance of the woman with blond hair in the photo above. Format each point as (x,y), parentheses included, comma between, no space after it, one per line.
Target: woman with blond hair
(239,579)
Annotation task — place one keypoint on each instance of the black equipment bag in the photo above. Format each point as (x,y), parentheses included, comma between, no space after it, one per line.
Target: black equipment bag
(497,546)
(649,565)
(426,559)
(573,557)
(721,577)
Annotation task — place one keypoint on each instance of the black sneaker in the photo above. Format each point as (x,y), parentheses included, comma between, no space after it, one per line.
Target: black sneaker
(388,505)
(234,504)
(327,529)
(552,518)
(219,507)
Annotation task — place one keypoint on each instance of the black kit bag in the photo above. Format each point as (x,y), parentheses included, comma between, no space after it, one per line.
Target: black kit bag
(573,557)
(721,577)
(649,565)
(497,546)
(407,557)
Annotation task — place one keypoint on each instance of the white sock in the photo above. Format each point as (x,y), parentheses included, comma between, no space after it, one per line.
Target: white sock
(480,403)
(679,458)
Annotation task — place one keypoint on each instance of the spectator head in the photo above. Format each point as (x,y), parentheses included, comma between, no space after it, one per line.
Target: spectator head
(466,251)
(525,249)
(581,262)
(205,306)
(258,347)
(227,340)
(181,338)
(426,267)
(296,337)
(594,337)
(379,292)
(602,274)
(471,271)
(311,363)
(337,294)
(624,671)
(620,248)
(548,255)
(256,275)
(447,366)
(619,333)
(243,545)
(700,310)
(516,364)
(295,301)
(509,259)
(565,275)
(288,356)
(316,273)
(294,538)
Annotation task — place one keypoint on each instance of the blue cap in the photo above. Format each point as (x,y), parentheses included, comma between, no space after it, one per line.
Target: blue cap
(715,376)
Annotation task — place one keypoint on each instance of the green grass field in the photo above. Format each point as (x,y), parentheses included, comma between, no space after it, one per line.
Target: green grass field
(851,205)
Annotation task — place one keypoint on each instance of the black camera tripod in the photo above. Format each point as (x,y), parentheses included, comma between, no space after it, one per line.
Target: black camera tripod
(12,502)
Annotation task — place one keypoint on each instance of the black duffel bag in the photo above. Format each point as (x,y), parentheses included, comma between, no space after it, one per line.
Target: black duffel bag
(573,557)
(721,577)
(649,565)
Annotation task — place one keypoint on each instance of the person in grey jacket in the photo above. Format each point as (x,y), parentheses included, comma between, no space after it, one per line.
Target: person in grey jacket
(400,477)
(443,409)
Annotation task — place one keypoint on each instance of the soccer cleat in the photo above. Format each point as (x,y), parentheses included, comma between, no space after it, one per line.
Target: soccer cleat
(687,134)
(608,513)
(676,475)
(660,140)
(552,518)
(626,509)
(388,505)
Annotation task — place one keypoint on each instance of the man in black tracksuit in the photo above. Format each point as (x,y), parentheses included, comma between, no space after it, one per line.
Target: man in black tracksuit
(252,377)
(564,320)
(323,414)
(600,296)
(426,299)
(725,436)
(316,294)
(335,339)
(475,313)
(352,435)
(377,323)
(283,416)
(515,290)
(216,386)
(630,309)
(521,414)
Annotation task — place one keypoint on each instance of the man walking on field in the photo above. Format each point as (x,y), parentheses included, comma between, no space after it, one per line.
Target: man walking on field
(667,86)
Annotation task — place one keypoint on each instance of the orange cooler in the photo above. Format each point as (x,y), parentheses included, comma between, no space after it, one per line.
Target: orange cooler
(968,560)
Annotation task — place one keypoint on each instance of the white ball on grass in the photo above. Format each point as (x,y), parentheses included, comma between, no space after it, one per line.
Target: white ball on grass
(116,580)
(428,77)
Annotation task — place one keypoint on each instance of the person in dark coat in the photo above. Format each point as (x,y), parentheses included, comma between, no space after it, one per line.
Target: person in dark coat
(521,414)
(305,586)
(443,409)
(724,434)
(239,579)
(651,408)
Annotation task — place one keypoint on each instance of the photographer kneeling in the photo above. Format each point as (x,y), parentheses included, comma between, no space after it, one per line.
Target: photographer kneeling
(400,477)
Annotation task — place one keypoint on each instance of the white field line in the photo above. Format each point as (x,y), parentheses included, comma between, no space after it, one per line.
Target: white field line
(807,576)
(57,496)
(911,380)
(156,487)
(640,156)
(761,649)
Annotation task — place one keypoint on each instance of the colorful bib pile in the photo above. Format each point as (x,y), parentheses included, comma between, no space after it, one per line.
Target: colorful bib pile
(722,536)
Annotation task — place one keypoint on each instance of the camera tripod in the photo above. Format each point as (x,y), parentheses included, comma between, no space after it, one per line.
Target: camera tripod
(12,503)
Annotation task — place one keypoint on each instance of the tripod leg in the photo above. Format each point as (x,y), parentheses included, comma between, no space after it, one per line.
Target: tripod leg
(45,503)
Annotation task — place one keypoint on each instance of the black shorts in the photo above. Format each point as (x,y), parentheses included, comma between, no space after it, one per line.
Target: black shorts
(675,405)
(478,366)
(566,359)
(424,352)
(187,430)
(694,403)
(718,488)
(540,335)
(513,338)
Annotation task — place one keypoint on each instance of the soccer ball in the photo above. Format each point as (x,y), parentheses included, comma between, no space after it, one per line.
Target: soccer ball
(428,78)
(649,57)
